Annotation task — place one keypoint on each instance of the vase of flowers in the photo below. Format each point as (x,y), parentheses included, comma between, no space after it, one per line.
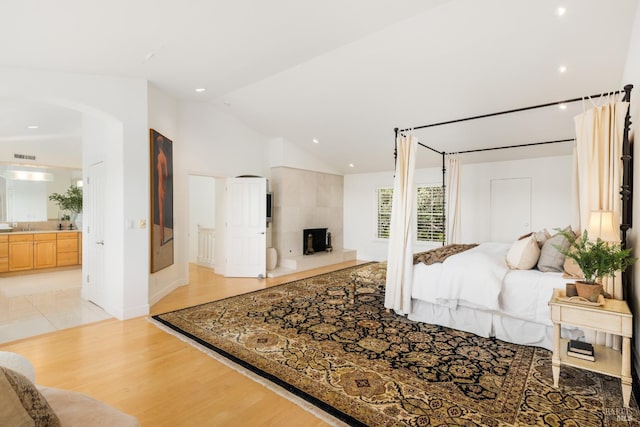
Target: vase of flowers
(596,259)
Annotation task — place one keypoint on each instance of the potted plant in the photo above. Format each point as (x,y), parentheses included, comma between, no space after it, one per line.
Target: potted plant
(596,260)
(70,201)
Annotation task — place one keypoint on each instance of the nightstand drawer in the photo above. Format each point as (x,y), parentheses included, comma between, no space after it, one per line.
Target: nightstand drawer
(602,321)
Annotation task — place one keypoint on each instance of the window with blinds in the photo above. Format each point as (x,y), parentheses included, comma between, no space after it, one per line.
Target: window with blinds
(430,213)
(385,197)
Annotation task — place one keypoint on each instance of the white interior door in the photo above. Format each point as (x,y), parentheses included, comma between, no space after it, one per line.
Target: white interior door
(93,246)
(246,224)
(510,208)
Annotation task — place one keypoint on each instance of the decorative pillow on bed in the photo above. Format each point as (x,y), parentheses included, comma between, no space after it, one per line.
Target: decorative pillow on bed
(523,254)
(551,259)
(22,403)
(571,267)
(542,236)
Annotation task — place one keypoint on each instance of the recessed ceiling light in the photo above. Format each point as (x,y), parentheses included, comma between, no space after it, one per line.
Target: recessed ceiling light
(562,69)
(562,106)
(561,11)
(200,89)
(351,165)
(315,141)
(32,127)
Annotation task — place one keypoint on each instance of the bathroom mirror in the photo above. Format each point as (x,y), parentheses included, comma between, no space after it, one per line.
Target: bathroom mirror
(24,191)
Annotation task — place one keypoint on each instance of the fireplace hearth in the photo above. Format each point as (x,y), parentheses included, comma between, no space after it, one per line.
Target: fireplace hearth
(314,240)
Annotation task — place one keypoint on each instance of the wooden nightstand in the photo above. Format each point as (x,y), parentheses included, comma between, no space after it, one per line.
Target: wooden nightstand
(613,317)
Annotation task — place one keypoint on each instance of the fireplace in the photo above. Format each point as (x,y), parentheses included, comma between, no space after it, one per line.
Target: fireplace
(317,242)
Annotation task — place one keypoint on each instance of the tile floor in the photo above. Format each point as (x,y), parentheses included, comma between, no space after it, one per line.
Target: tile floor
(33,304)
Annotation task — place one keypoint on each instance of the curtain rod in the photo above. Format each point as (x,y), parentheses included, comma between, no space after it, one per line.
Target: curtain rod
(513,146)
(516,110)
(530,144)
(430,148)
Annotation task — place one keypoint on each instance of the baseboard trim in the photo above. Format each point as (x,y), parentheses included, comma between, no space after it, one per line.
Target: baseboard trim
(158,294)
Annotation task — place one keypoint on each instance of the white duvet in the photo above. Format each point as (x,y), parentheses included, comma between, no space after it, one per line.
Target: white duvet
(472,278)
(480,278)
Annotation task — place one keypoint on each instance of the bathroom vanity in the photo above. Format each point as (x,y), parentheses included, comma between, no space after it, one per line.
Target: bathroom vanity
(22,251)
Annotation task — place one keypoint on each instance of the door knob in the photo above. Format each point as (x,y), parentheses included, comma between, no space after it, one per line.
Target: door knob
(101,242)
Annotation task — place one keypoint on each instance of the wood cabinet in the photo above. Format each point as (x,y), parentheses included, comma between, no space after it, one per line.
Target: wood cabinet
(44,250)
(20,252)
(28,251)
(67,249)
(4,254)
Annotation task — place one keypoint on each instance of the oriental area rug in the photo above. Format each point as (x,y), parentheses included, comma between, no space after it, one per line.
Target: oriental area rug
(346,355)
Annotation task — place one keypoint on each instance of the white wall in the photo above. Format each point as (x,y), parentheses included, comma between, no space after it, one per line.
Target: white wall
(632,76)
(216,143)
(283,153)
(551,200)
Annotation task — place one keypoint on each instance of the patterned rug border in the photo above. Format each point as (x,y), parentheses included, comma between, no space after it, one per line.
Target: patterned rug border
(308,406)
(295,395)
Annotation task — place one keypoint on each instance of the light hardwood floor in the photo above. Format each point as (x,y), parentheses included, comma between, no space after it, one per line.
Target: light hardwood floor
(139,369)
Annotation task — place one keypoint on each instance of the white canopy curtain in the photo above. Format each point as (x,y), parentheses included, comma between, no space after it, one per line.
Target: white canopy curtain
(400,256)
(599,134)
(452,207)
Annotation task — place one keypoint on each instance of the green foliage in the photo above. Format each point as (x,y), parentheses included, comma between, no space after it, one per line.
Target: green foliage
(70,201)
(596,259)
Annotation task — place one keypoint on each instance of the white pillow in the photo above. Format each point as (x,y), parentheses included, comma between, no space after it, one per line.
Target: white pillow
(523,254)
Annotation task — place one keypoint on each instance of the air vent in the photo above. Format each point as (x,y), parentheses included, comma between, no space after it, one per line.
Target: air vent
(24,157)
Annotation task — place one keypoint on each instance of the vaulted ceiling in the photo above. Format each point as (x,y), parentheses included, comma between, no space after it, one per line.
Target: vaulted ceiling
(342,72)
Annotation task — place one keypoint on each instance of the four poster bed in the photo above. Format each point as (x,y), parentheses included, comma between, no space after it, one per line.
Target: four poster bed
(478,289)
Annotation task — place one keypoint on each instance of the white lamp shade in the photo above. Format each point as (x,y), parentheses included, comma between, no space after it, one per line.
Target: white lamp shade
(601,227)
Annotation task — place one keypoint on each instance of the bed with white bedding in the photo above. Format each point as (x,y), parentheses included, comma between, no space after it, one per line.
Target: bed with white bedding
(475,291)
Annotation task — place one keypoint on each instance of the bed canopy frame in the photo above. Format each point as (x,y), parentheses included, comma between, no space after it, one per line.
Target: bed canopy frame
(626,191)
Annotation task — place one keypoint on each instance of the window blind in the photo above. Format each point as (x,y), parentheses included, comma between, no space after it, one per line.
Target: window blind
(385,198)
(430,214)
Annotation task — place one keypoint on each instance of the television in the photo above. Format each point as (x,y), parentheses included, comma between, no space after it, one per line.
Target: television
(269,207)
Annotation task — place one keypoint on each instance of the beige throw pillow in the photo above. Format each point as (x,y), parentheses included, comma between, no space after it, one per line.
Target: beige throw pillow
(523,254)
(21,404)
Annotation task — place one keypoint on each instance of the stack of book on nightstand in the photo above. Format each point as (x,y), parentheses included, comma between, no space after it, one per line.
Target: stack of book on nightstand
(581,350)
